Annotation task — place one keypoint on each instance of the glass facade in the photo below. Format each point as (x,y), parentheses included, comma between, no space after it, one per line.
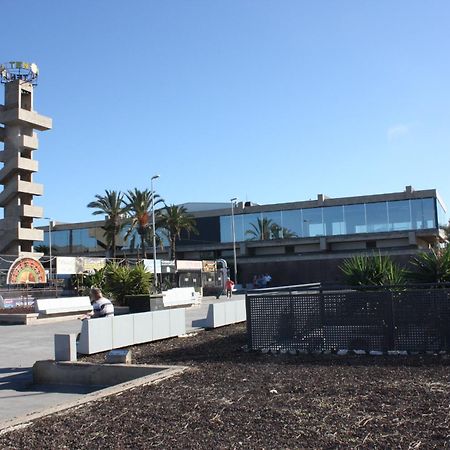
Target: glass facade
(377,217)
(374,217)
(442,217)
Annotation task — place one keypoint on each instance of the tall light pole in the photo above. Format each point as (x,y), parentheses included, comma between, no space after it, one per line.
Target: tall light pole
(234,237)
(50,220)
(154,177)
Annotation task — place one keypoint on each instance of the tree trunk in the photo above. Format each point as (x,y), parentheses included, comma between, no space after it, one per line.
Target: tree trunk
(113,243)
(172,248)
(144,254)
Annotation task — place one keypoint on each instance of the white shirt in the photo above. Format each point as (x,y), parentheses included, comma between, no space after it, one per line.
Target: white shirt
(103,307)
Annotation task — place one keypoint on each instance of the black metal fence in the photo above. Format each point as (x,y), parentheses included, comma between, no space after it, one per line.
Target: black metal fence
(314,319)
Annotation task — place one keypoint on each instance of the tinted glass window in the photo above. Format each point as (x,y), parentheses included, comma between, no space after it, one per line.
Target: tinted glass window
(399,215)
(256,228)
(442,216)
(291,223)
(225,229)
(84,240)
(312,222)
(355,218)
(60,241)
(376,216)
(272,221)
(333,218)
(429,212)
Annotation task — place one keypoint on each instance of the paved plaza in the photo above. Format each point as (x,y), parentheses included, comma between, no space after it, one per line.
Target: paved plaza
(23,345)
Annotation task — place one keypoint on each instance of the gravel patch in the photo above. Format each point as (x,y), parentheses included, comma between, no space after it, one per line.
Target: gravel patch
(233,399)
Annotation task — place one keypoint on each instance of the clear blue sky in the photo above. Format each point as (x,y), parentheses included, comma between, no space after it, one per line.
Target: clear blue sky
(269,101)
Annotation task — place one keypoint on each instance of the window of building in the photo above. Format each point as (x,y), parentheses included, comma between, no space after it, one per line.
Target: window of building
(84,240)
(271,221)
(399,213)
(333,218)
(291,221)
(312,222)
(377,217)
(255,228)
(355,219)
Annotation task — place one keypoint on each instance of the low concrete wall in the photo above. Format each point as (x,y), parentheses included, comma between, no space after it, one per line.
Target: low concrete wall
(62,305)
(80,373)
(227,313)
(180,296)
(18,319)
(107,333)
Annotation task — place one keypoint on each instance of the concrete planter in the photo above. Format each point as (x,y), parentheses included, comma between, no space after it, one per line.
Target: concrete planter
(144,303)
(18,319)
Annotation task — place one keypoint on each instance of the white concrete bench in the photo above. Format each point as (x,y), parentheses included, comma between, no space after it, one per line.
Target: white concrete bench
(226,313)
(108,333)
(62,305)
(180,296)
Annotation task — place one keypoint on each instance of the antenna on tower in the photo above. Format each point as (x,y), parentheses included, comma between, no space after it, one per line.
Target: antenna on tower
(19,70)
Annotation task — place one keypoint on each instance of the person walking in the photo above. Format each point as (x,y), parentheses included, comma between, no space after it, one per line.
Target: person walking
(229,287)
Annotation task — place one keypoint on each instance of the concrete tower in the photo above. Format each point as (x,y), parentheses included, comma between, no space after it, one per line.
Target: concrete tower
(19,121)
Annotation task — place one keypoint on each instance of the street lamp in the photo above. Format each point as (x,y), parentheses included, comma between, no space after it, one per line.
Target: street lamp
(154,177)
(50,220)
(234,237)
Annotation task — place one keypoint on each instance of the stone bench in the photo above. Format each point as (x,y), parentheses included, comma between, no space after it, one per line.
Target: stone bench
(107,333)
(180,296)
(226,313)
(62,305)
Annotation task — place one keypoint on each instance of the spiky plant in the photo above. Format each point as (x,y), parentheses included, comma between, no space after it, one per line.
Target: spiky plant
(431,267)
(372,270)
(121,280)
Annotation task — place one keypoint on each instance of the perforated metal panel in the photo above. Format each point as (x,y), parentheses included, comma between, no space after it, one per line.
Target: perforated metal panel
(413,320)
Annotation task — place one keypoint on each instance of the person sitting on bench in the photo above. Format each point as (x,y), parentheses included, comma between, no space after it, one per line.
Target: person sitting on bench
(102,307)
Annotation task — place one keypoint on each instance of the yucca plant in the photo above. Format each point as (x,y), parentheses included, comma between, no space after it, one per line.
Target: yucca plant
(121,280)
(373,270)
(431,267)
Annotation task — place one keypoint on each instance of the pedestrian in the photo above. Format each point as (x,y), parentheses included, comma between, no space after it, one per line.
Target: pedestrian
(229,287)
(101,306)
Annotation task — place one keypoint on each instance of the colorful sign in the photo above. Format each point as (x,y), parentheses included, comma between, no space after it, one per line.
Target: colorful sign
(189,265)
(209,266)
(26,270)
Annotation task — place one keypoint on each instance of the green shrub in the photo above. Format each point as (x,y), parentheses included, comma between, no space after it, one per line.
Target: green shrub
(431,267)
(373,270)
(121,280)
(83,282)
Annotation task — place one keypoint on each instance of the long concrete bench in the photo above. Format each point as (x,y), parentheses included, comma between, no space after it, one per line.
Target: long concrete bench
(62,305)
(107,333)
(226,313)
(180,296)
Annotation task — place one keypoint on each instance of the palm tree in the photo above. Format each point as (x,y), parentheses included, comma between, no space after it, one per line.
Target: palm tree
(139,206)
(260,231)
(111,205)
(278,232)
(175,219)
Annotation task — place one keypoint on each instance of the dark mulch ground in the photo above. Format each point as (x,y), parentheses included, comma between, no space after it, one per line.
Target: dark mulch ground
(232,399)
(18,310)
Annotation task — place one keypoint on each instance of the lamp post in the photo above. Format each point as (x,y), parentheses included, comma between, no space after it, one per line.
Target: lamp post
(234,237)
(154,177)
(50,220)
